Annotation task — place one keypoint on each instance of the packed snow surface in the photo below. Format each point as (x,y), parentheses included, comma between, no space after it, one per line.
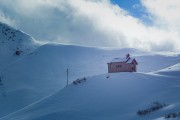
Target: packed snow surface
(33,81)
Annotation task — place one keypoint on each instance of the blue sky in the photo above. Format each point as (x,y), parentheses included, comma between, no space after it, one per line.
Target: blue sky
(135,8)
(128,5)
(143,24)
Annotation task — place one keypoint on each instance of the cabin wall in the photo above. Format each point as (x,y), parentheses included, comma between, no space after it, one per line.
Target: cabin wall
(121,67)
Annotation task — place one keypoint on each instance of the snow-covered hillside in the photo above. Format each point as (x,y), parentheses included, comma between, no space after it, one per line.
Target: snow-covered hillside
(33,80)
(14,44)
(117,98)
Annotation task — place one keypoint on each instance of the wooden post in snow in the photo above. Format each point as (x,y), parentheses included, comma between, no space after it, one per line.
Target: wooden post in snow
(67,76)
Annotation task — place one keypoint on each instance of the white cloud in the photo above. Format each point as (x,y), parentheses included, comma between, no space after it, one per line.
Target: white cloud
(6,19)
(97,23)
(165,11)
(165,17)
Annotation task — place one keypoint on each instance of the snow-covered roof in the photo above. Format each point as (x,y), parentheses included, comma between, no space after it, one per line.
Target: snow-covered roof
(130,60)
(119,60)
(126,60)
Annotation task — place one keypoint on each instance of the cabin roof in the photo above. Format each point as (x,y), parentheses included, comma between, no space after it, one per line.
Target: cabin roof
(126,60)
(119,60)
(130,60)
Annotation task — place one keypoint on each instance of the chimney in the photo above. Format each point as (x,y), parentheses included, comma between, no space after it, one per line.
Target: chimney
(127,56)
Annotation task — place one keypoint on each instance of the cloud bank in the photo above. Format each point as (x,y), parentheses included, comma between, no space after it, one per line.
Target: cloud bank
(96,23)
(5,19)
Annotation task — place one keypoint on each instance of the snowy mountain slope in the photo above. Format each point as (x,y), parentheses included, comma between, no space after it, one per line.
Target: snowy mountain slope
(84,61)
(38,71)
(99,98)
(170,71)
(14,44)
(45,68)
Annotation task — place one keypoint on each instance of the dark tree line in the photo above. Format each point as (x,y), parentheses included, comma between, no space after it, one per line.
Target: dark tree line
(154,107)
(172,115)
(79,80)
(3,91)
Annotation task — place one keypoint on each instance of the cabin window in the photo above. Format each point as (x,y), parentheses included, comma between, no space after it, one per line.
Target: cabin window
(113,66)
(118,66)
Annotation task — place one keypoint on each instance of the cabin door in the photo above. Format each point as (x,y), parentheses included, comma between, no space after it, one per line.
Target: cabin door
(133,69)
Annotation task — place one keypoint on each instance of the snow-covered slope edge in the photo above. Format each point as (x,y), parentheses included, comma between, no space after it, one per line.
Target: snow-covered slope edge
(118,97)
(170,71)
